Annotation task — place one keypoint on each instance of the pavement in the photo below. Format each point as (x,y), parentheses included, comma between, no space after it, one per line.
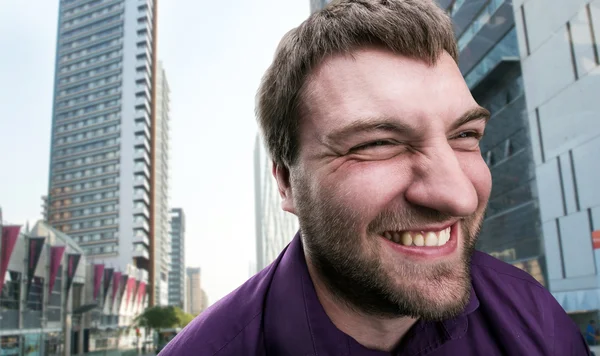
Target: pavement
(595,349)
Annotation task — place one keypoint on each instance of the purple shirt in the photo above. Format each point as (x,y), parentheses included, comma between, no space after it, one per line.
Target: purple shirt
(277,312)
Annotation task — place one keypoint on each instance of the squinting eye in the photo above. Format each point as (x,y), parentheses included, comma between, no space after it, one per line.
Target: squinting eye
(469,134)
(373,144)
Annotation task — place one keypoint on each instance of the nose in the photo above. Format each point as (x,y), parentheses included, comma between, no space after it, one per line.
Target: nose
(440,183)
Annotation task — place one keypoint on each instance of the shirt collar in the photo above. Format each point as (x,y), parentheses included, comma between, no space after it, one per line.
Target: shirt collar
(296,323)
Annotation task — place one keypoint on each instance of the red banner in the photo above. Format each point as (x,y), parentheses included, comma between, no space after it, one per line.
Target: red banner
(98,273)
(9,239)
(72,263)
(142,292)
(56,255)
(130,287)
(116,282)
(123,285)
(596,239)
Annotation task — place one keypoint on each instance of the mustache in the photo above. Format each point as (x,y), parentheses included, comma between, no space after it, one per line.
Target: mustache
(404,219)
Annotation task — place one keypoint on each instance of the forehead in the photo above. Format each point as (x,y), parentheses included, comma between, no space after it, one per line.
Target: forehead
(378,83)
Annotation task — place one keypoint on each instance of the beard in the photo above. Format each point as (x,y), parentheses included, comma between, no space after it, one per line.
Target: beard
(353,268)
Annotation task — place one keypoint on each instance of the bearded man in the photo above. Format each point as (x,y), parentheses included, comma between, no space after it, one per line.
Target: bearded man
(374,137)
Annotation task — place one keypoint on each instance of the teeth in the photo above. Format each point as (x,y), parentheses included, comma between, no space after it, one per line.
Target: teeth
(431,239)
(444,237)
(419,239)
(407,240)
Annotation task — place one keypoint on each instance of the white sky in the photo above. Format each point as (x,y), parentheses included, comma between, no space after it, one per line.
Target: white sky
(215,53)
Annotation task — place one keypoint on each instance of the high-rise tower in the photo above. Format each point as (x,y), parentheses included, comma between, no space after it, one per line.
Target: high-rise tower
(102,175)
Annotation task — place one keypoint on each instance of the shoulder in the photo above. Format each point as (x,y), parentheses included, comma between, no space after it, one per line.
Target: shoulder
(484,265)
(505,286)
(228,327)
(512,298)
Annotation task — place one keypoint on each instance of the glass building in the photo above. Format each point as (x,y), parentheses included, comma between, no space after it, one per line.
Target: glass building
(162,258)
(275,228)
(197,299)
(102,177)
(561,75)
(177,270)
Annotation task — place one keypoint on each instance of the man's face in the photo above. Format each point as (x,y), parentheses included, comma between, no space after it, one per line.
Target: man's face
(390,187)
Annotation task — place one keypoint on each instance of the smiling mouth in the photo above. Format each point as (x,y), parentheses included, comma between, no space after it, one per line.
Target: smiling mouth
(419,238)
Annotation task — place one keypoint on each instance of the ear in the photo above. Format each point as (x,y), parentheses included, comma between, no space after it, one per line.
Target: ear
(282,175)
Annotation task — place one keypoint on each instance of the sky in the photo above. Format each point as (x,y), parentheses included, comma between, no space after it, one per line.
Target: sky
(214,53)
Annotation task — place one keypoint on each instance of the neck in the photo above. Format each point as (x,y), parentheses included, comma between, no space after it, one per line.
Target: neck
(372,332)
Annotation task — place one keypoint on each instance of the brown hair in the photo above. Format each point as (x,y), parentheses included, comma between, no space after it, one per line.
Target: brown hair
(413,28)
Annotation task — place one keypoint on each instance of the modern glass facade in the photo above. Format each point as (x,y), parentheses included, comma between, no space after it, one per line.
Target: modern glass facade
(489,61)
(177,271)
(561,76)
(100,184)
(275,228)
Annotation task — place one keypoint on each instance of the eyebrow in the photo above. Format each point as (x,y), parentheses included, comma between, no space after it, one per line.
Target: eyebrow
(390,125)
(474,114)
(368,125)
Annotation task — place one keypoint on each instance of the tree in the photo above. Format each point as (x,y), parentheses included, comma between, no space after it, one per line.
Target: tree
(183,318)
(158,318)
(163,318)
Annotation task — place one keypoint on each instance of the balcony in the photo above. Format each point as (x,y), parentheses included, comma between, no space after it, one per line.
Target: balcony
(141,156)
(141,239)
(141,196)
(142,210)
(140,168)
(139,183)
(143,53)
(142,115)
(142,128)
(142,101)
(145,26)
(141,224)
(143,64)
(141,140)
(144,50)
(144,39)
(140,251)
(143,89)
(143,78)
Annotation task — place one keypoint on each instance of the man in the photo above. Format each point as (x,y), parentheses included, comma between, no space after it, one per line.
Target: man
(374,137)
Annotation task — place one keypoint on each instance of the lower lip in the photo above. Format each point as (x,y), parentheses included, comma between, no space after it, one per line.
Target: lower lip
(424,252)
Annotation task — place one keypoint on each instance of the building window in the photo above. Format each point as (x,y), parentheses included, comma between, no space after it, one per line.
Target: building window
(55,298)
(35,298)
(9,299)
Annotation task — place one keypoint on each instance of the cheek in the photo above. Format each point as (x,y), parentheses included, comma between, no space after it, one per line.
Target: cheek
(368,186)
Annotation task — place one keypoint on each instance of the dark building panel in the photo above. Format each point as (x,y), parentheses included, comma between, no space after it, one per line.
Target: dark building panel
(486,38)
(511,230)
(464,12)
